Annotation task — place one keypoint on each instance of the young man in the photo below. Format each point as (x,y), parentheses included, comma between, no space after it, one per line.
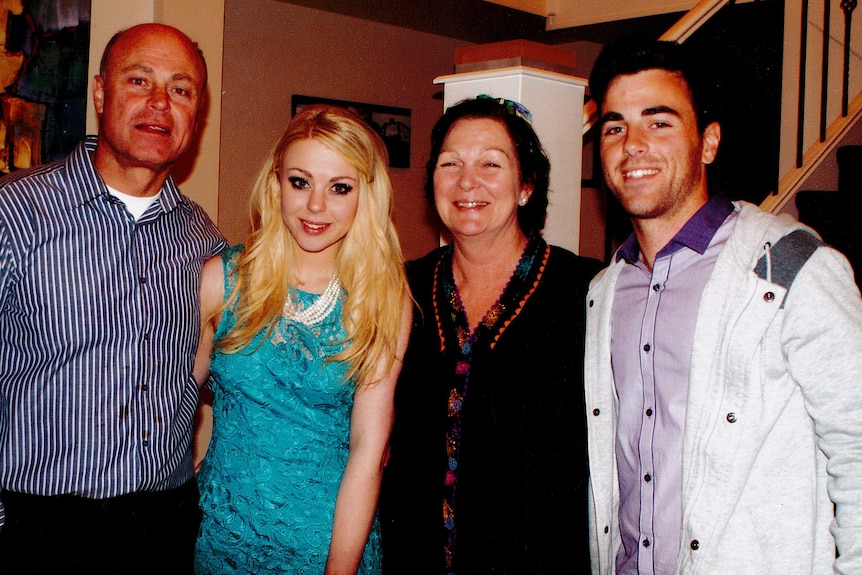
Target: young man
(723,355)
(100,257)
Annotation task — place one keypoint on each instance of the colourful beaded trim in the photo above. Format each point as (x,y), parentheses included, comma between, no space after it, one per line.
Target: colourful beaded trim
(452,326)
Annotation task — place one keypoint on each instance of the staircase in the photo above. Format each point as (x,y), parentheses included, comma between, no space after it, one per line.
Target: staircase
(835,214)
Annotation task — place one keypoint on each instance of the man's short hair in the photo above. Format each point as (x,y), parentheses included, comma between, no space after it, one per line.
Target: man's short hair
(632,55)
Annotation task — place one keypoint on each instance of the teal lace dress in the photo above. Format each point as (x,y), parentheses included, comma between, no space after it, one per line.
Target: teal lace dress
(279,447)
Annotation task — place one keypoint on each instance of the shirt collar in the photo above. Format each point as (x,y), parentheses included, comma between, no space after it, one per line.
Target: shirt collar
(80,162)
(696,234)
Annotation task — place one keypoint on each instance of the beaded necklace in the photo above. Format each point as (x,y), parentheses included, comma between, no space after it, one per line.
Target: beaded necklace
(454,332)
(319,310)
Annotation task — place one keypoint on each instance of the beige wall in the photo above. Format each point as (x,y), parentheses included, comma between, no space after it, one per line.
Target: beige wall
(273,50)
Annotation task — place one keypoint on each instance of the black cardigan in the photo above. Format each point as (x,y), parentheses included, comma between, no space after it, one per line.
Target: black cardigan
(522,490)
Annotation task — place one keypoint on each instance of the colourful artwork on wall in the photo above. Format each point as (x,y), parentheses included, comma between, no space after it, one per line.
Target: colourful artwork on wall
(43,78)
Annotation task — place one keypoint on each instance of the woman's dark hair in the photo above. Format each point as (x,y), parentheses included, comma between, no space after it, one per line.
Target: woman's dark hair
(534,167)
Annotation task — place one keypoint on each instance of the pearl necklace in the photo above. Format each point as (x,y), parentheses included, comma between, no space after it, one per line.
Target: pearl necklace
(319,310)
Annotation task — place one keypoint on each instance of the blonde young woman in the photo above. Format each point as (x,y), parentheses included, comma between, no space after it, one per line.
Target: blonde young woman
(306,325)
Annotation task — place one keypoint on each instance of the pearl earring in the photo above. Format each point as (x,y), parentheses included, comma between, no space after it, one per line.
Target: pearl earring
(522,201)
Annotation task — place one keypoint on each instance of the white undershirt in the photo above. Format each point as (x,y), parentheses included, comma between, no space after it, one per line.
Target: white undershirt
(135,204)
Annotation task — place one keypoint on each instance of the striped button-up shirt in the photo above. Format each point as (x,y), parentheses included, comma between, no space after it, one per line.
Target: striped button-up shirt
(99,322)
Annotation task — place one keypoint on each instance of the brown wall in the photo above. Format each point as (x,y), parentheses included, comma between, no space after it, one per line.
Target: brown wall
(273,50)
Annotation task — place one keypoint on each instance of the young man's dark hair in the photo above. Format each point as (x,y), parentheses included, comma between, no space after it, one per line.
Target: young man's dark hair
(633,55)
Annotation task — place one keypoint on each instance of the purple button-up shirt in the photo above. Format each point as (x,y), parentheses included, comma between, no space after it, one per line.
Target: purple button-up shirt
(654,319)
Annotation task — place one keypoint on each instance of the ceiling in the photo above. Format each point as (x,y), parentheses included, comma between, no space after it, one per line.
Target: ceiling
(481,22)
(569,13)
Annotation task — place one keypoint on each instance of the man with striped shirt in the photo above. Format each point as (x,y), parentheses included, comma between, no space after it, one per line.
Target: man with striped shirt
(100,257)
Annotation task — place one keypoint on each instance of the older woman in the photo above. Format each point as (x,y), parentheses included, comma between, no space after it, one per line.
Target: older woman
(488,466)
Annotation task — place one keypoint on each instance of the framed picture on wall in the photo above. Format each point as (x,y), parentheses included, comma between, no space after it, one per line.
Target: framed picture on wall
(393,124)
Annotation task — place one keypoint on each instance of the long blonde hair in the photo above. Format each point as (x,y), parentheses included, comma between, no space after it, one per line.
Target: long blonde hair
(369,262)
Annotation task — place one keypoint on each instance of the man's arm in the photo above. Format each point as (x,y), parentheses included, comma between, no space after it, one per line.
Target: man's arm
(822,341)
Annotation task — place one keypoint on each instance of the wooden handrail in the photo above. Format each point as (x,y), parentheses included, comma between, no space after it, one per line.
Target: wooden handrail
(693,20)
(679,32)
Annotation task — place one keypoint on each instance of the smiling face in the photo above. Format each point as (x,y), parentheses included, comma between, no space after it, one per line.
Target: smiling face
(653,154)
(477,183)
(147,101)
(319,197)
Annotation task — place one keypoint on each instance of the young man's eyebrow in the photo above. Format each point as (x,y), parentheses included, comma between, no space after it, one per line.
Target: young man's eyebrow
(611,117)
(652,111)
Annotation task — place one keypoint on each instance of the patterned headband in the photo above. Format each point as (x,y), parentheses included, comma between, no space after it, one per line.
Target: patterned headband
(511,106)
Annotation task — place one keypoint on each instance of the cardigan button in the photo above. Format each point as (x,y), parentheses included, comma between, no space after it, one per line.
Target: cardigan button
(591,303)
(606,529)
(695,544)
(596,411)
(768,296)
(731,417)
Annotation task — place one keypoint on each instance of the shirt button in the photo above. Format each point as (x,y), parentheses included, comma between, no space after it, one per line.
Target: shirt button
(142,279)
(596,411)
(731,417)
(656,287)
(647,477)
(646,543)
(606,529)
(649,412)
(647,347)
(591,303)
(695,544)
